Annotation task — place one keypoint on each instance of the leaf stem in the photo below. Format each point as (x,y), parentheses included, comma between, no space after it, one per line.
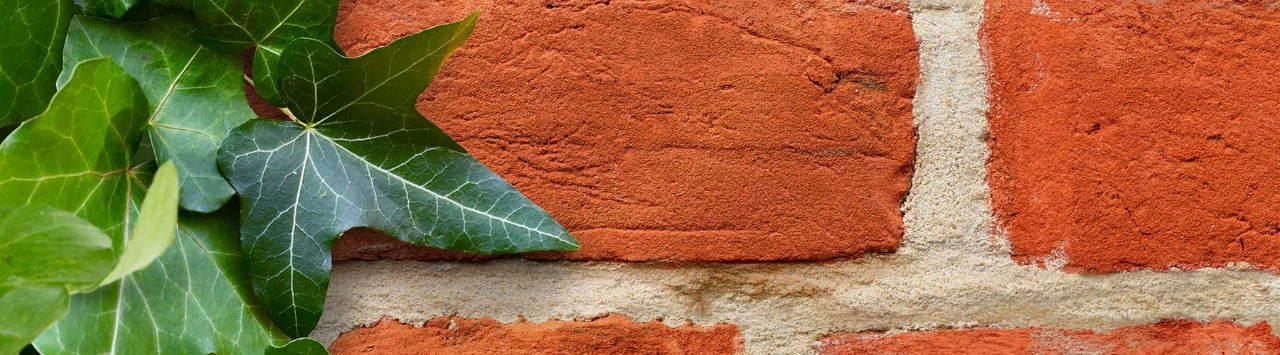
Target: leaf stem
(290,114)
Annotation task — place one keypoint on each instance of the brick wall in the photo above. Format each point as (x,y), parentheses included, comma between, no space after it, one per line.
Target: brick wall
(846,177)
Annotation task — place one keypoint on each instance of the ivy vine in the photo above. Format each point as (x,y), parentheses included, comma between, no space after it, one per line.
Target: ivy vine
(128,137)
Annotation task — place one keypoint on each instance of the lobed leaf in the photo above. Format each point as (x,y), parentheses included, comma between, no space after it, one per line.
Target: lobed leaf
(268,26)
(196,94)
(362,156)
(33,32)
(195,298)
(75,156)
(153,231)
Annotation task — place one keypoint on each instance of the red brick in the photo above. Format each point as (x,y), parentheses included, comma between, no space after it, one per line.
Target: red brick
(610,335)
(1176,337)
(683,129)
(1136,134)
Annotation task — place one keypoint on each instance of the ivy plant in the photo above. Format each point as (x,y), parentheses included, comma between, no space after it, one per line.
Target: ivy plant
(129,138)
(80,226)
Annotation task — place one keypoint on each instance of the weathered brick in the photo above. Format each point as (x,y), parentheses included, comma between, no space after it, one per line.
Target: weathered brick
(682,129)
(1136,134)
(1177,337)
(610,335)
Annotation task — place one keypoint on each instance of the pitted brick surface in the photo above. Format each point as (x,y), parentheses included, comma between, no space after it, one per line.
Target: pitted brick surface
(1136,134)
(679,130)
(1179,337)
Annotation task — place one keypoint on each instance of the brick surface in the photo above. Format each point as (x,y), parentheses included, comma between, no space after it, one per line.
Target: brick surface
(1178,337)
(610,335)
(1135,134)
(679,130)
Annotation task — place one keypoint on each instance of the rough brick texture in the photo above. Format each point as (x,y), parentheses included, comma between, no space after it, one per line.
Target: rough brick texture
(680,130)
(1180,337)
(1136,134)
(610,335)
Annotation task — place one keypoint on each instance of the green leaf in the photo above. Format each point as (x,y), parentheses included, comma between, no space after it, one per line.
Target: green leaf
(362,156)
(154,229)
(45,254)
(28,311)
(33,32)
(181,4)
(41,245)
(108,8)
(301,346)
(148,10)
(237,25)
(75,156)
(196,95)
(195,299)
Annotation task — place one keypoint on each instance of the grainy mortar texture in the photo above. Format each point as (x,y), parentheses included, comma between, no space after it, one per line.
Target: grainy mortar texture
(952,269)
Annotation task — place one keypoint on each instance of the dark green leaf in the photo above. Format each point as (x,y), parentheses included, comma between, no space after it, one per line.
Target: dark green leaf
(181,4)
(196,95)
(301,346)
(5,131)
(32,33)
(147,10)
(45,254)
(107,8)
(236,25)
(362,156)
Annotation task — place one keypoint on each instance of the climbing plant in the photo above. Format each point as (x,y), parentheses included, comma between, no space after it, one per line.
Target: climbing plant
(145,209)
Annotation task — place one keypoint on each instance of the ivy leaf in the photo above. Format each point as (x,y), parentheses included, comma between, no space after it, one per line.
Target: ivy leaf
(152,9)
(45,254)
(107,8)
(237,25)
(154,229)
(33,32)
(362,156)
(181,4)
(300,346)
(195,94)
(48,254)
(195,298)
(75,156)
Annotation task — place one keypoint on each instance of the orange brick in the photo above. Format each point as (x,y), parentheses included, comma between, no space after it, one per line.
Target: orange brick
(685,129)
(1136,134)
(1170,338)
(610,335)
